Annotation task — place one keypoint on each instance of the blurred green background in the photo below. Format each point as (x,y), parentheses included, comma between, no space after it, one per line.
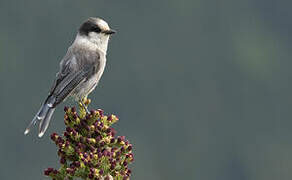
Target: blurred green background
(201,87)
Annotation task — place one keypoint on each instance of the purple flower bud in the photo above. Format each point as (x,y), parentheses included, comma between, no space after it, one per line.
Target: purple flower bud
(102,143)
(77,163)
(55,171)
(92,112)
(75,116)
(100,112)
(74,133)
(62,160)
(69,129)
(90,176)
(112,167)
(125,163)
(60,140)
(119,139)
(114,132)
(87,128)
(96,124)
(67,143)
(48,171)
(118,153)
(70,171)
(73,109)
(110,118)
(99,128)
(98,138)
(92,148)
(101,172)
(130,147)
(54,136)
(123,173)
(111,160)
(122,149)
(112,140)
(92,170)
(105,153)
(108,131)
(72,165)
(66,108)
(111,154)
(66,134)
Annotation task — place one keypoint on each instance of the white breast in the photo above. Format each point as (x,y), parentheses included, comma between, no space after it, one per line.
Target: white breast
(87,86)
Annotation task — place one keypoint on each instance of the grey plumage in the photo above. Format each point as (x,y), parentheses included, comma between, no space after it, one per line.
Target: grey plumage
(80,70)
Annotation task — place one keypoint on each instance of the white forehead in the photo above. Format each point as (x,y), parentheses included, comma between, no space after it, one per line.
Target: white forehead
(102,24)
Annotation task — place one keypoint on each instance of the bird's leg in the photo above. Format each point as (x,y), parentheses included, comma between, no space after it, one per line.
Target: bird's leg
(83,105)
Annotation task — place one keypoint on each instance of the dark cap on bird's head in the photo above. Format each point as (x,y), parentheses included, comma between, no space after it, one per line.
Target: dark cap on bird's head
(96,25)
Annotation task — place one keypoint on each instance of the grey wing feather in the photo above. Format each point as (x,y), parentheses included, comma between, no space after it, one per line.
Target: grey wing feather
(74,68)
(78,78)
(63,76)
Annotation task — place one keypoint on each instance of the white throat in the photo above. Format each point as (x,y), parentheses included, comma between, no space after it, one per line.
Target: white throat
(93,41)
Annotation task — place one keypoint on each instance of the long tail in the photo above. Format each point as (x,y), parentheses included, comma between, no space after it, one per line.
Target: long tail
(60,91)
(43,116)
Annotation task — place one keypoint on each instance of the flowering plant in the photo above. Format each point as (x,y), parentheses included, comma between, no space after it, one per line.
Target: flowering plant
(89,148)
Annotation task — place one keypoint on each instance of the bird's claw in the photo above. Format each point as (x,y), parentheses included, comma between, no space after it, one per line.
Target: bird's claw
(85,107)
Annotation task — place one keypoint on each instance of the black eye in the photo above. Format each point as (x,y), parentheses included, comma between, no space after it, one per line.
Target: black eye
(97,29)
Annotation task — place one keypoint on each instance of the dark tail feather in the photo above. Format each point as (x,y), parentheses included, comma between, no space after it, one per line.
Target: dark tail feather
(44,115)
(45,122)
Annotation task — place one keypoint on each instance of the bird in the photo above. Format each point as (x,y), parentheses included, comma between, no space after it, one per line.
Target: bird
(80,70)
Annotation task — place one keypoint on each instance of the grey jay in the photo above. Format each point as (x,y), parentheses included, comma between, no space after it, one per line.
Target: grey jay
(80,70)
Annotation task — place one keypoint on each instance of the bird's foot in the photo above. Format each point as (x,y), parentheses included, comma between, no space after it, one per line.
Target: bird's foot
(84,103)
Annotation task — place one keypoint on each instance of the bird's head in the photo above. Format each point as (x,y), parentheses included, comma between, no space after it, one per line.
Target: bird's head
(97,31)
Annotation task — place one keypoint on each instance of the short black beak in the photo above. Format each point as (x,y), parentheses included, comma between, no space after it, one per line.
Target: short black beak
(110,32)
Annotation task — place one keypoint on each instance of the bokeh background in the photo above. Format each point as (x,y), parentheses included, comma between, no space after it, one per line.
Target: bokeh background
(202,87)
